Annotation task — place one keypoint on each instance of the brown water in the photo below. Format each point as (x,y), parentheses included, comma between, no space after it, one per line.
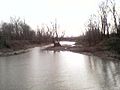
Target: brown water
(48,70)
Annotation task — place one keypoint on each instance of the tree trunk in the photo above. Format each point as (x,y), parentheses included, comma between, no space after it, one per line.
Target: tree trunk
(56,42)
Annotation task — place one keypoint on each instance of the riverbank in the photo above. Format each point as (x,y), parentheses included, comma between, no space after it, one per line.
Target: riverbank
(15,51)
(103,53)
(20,50)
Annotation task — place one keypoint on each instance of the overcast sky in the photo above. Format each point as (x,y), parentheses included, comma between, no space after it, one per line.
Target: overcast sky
(71,15)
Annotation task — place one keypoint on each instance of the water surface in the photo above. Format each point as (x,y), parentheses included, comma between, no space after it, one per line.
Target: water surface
(48,70)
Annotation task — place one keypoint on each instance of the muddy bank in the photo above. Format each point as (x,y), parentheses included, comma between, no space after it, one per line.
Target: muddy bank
(13,51)
(103,53)
(8,53)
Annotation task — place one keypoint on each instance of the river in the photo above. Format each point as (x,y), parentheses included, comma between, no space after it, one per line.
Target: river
(64,70)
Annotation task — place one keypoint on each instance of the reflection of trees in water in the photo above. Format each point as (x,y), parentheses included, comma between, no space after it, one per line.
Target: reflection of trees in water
(107,72)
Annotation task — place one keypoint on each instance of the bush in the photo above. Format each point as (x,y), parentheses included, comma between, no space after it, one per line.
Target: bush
(113,44)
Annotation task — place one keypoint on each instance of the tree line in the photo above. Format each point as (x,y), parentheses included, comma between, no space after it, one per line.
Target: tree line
(103,25)
(18,30)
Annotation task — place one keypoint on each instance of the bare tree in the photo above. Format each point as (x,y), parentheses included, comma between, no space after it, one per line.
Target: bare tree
(104,10)
(56,41)
(114,13)
(92,35)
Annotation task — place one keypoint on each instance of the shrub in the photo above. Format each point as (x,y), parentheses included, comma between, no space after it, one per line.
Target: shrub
(113,44)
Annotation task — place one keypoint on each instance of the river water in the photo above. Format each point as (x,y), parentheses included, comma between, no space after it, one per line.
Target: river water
(49,70)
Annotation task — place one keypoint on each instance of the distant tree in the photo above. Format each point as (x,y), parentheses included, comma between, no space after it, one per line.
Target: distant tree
(56,41)
(25,31)
(8,30)
(93,34)
(16,21)
(18,31)
(104,10)
(114,13)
